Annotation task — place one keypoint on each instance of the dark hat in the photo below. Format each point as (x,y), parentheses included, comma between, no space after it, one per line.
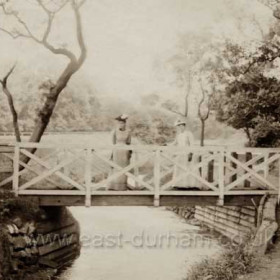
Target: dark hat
(122,117)
(180,122)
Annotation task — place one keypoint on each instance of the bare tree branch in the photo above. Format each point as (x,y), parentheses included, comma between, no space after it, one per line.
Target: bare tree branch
(50,20)
(82,3)
(187,89)
(202,117)
(205,117)
(176,112)
(5,79)
(60,7)
(79,31)
(74,65)
(21,22)
(40,2)
(269,3)
(11,103)
(14,36)
(51,15)
(30,35)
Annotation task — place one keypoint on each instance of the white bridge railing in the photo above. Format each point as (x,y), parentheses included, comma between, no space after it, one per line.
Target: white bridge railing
(153,170)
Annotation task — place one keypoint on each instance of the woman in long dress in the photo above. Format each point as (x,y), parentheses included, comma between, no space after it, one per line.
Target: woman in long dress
(184,138)
(120,136)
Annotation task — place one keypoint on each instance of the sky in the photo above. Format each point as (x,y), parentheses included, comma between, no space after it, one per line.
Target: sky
(129,41)
(127,38)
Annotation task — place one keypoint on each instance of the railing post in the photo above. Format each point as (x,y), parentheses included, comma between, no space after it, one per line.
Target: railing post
(248,157)
(16,171)
(266,167)
(211,171)
(157,178)
(234,165)
(221,177)
(88,177)
(136,169)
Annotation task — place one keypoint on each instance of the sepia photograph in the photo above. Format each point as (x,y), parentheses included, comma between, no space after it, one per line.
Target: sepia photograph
(139,139)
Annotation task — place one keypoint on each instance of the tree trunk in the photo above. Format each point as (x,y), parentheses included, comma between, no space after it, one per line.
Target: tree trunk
(188,90)
(186,106)
(14,113)
(247,131)
(202,133)
(46,112)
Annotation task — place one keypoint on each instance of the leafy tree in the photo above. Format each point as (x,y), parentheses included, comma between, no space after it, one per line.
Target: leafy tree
(253,104)
(251,97)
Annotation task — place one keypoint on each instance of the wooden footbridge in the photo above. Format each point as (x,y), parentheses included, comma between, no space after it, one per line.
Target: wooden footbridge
(75,175)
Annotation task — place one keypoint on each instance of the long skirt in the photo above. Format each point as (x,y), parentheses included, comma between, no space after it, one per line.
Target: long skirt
(182,179)
(121,158)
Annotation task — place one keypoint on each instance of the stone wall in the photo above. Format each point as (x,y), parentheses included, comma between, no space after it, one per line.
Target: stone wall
(258,227)
(49,242)
(185,212)
(231,221)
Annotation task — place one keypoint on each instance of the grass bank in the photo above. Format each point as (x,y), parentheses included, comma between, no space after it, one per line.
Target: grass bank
(234,262)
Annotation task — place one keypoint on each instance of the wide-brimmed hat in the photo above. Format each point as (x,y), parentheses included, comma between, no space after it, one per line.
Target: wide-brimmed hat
(122,117)
(179,122)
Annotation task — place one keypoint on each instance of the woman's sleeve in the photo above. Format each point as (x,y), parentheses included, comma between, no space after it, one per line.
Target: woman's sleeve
(114,138)
(128,140)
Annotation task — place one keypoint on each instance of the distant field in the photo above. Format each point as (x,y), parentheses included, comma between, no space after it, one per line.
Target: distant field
(94,138)
(104,138)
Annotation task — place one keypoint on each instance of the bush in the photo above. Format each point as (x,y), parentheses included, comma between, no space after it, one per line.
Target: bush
(152,127)
(266,134)
(234,262)
(11,206)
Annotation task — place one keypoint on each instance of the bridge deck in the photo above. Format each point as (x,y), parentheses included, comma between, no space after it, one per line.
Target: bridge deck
(79,175)
(143,200)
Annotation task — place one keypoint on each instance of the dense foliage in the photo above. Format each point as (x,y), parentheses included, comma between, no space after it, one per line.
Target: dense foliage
(250,99)
(254,105)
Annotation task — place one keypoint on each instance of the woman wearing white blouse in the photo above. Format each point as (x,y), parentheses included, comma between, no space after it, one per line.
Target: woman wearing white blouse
(184,138)
(120,136)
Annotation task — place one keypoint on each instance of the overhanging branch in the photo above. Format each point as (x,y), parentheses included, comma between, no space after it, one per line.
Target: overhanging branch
(79,30)
(29,35)
(11,103)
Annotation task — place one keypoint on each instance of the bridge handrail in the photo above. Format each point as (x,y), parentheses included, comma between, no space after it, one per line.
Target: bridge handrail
(144,147)
(222,158)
